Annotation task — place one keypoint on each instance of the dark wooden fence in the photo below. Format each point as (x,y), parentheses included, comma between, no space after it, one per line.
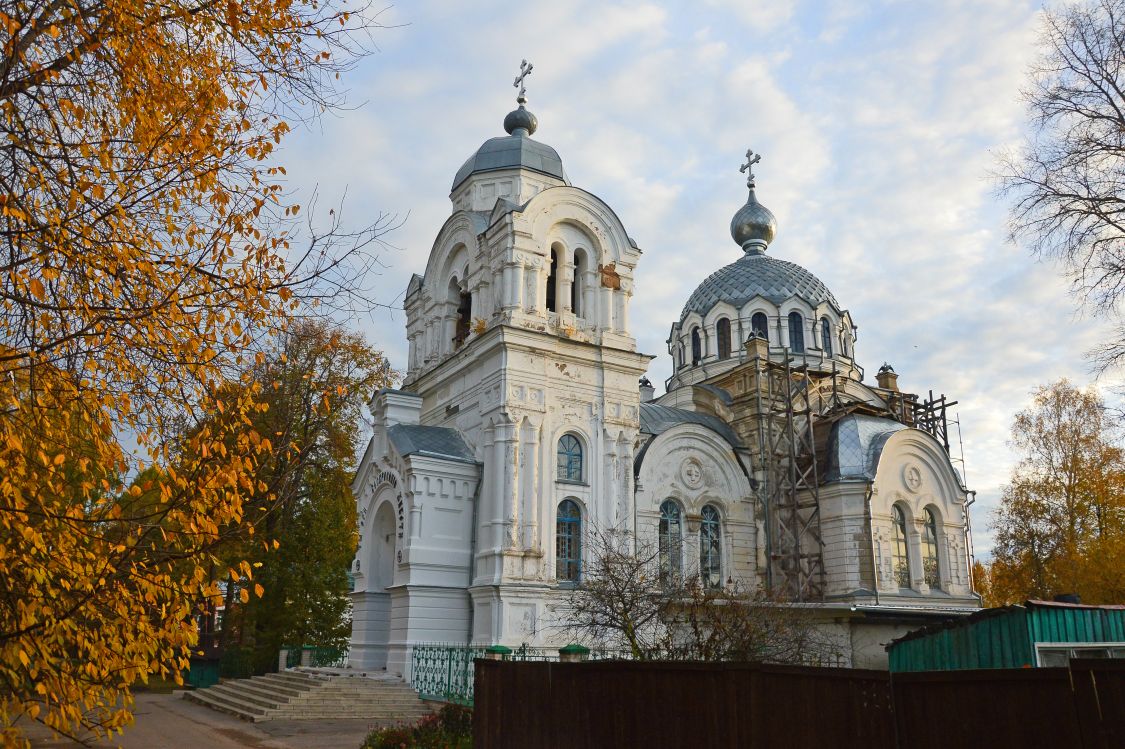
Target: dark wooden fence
(538,705)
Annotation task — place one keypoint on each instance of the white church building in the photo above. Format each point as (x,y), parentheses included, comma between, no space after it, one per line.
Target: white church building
(524,420)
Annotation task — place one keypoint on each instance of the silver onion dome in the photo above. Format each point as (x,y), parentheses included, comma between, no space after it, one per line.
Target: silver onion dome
(520,122)
(756,274)
(753,226)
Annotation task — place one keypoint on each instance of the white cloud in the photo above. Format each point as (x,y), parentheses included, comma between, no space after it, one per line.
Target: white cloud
(877,122)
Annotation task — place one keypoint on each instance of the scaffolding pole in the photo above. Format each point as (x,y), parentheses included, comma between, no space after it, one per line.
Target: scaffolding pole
(788,463)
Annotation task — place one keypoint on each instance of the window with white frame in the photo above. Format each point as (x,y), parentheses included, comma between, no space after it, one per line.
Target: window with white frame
(671,538)
(900,550)
(569,458)
(710,548)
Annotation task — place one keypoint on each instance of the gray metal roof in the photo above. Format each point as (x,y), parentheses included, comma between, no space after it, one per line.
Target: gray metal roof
(511,152)
(437,442)
(757,275)
(659,419)
(855,445)
(719,393)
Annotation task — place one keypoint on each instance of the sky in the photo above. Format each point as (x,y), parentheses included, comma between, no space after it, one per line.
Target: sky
(879,125)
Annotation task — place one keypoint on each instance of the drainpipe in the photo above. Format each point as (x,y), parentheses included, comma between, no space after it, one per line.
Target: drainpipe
(871,539)
(970,552)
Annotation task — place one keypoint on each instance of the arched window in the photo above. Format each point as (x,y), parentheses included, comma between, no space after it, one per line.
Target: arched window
(552,278)
(930,551)
(671,543)
(760,324)
(696,347)
(825,336)
(569,458)
(576,287)
(901,557)
(796,332)
(568,542)
(723,334)
(710,548)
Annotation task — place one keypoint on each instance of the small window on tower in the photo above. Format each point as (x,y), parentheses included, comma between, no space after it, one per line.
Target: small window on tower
(796,333)
(696,347)
(723,331)
(760,324)
(825,336)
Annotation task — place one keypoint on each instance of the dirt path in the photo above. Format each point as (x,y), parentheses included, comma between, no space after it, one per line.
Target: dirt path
(165,721)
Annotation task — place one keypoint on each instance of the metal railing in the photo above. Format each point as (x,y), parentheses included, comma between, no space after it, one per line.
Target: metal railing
(312,655)
(446,672)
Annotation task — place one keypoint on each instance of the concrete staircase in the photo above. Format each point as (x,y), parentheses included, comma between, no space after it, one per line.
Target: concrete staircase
(314,694)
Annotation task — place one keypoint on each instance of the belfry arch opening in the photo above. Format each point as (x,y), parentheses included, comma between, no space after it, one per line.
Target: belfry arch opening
(463,311)
(553,279)
(577,288)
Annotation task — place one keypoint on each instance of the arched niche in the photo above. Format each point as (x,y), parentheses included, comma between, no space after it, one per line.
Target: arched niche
(383,548)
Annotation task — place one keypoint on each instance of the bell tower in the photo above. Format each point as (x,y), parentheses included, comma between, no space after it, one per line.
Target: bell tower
(519,336)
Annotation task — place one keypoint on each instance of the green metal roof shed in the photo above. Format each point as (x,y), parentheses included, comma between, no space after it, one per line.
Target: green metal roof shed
(1009,637)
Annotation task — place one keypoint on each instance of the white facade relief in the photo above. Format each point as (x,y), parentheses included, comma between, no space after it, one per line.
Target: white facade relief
(520,428)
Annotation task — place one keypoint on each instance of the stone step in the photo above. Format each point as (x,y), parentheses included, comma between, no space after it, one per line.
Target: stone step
(343,694)
(397,716)
(352,695)
(222,703)
(241,693)
(358,704)
(296,695)
(297,679)
(275,686)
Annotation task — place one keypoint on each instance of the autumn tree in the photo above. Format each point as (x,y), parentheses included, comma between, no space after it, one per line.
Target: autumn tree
(314,379)
(1068,179)
(627,600)
(1061,520)
(147,247)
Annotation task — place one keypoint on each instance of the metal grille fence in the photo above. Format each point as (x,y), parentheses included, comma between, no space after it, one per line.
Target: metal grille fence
(445,672)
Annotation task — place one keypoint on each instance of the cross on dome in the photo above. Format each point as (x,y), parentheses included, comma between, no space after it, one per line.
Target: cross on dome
(520,122)
(751,159)
(754,226)
(525,70)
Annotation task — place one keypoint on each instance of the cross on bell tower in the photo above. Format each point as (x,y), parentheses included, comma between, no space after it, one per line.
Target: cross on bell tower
(751,159)
(525,71)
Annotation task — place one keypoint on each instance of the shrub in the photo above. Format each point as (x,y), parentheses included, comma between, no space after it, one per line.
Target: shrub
(450,728)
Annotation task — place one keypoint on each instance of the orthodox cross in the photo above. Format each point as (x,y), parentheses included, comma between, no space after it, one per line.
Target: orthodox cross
(751,159)
(525,71)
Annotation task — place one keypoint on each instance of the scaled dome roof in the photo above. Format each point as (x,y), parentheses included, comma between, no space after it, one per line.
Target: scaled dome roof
(757,275)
